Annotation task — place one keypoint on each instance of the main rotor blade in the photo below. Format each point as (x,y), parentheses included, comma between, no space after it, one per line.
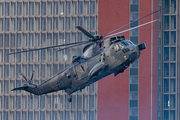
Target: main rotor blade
(47,47)
(137,20)
(85,32)
(131,28)
(72,46)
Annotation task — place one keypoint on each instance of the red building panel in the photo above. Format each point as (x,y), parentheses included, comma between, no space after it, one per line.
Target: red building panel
(113,92)
(113,113)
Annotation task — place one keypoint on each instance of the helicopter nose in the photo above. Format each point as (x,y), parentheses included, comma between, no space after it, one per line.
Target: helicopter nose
(133,56)
(142,46)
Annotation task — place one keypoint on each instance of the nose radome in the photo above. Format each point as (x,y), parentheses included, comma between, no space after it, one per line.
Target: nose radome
(142,46)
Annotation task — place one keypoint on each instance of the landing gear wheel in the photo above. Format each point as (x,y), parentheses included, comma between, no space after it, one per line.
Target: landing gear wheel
(70,98)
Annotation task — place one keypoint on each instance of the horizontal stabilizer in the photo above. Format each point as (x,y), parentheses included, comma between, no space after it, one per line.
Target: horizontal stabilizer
(19,88)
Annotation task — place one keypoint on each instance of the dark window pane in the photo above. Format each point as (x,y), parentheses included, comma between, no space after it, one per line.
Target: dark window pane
(133,118)
(134,39)
(133,103)
(134,24)
(133,87)
(134,8)
(133,71)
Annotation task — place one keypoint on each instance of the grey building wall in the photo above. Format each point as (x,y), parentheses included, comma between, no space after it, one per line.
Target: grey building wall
(33,24)
(168,61)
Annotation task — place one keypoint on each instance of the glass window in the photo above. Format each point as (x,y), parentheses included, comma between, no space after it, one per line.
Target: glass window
(6,57)
(43,71)
(172,101)
(79,101)
(133,103)
(25,8)
(133,87)
(166,85)
(133,95)
(133,111)
(6,40)
(93,8)
(134,32)
(25,24)
(43,24)
(68,23)
(24,115)
(31,40)
(166,53)
(61,7)
(18,102)
(172,69)
(7,8)
(133,71)
(173,7)
(68,7)
(86,7)
(61,23)
(49,23)
(55,23)
(12,40)
(173,54)
(19,8)
(166,4)
(56,8)
(134,24)
(134,1)
(133,79)
(31,24)
(19,42)
(19,24)
(91,102)
(166,101)
(166,69)
(134,15)
(6,102)
(42,115)
(166,37)
(1,9)
(79,115)
(31,8)
(173,37)
(37,5)
(134,8)
(50,8)
(7,24)
(74,7)
(92,23)
(43,8)
(172,85)
(80,7)
(133,117)
(30,115)
(1,24)
(166,22)
(86,23)
(42,102)
(173,22)
(37,20)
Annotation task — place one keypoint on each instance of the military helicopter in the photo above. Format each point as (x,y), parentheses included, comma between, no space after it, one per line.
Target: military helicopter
(99,59)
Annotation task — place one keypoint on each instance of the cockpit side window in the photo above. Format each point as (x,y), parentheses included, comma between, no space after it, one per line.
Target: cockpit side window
(124,43)
(117,47)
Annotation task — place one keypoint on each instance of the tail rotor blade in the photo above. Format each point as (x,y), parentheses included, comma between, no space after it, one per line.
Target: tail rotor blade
(32,76)
(24,77)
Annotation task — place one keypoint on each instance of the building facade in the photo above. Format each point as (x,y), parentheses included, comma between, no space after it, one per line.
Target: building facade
(149,89)
(32,24)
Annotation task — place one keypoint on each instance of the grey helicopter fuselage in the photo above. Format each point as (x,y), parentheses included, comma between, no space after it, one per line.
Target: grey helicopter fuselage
(99,60)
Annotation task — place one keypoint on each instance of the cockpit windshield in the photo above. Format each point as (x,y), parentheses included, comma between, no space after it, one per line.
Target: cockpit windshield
(127,42)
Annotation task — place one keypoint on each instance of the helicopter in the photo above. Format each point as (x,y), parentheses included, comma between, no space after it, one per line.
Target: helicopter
(100,59)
